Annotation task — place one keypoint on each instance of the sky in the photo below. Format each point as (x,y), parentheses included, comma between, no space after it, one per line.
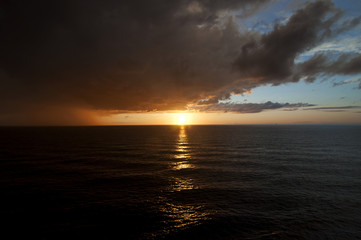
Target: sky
(136,62)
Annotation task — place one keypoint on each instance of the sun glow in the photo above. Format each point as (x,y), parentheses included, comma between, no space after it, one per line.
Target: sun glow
(182,120)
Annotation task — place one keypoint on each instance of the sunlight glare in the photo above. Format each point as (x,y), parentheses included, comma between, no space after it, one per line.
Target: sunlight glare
(182,120)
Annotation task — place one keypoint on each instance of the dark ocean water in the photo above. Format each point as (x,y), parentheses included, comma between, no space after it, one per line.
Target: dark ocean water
(173,182)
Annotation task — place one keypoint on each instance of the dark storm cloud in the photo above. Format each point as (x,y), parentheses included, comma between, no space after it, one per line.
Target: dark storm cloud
(127,55)
(320,64)
(271,58)
(248,107)
(150,55)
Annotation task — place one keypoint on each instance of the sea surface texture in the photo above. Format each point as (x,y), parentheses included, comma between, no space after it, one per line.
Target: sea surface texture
(181,182)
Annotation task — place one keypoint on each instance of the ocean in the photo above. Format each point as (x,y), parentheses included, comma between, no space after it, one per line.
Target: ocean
(181,182)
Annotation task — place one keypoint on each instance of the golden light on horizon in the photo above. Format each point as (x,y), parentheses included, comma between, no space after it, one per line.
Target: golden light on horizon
(200,118)
(182,120)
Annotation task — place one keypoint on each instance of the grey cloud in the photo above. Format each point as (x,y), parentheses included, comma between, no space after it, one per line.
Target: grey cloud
(349,24)
(248,107)
(126,55)
(346,64)
(149,55)
(349,81)
(320,64)
(271,57)
(334,109)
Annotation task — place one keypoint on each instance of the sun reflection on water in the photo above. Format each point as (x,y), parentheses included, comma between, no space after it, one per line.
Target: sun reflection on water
(182,165)
(181,184)
(182,151)
(181,212)
(182,215)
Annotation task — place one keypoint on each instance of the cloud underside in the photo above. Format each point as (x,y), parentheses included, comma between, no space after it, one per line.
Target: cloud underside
(157,55)
(356,80)
(335,109)
(248,107)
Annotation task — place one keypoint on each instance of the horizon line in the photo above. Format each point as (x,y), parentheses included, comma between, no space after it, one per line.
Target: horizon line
(153,125)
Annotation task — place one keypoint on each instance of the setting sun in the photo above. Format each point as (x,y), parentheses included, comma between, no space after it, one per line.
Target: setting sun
(182,120)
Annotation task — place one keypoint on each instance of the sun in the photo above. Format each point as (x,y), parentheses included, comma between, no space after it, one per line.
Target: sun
(182,119)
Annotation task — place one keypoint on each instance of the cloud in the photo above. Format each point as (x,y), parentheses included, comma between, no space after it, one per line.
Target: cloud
(343,45)
(334,109)
(247,107)
(271,56)
(152,55)
(356,80)
(125,55)
(327,65)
